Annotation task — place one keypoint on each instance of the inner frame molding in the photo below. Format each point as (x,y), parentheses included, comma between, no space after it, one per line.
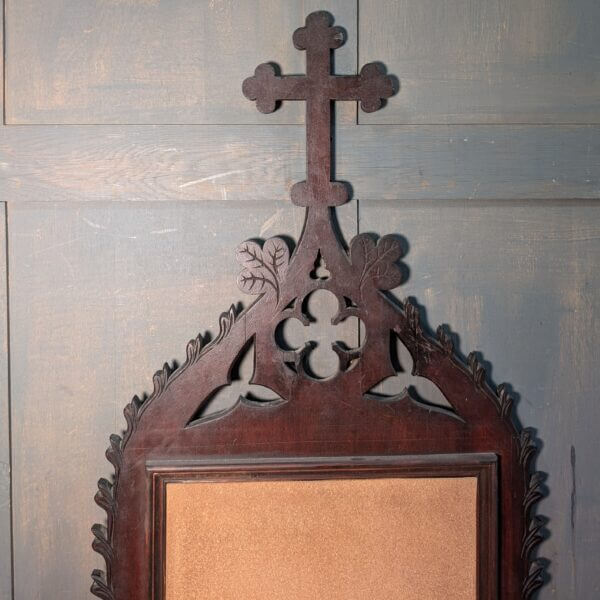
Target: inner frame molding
(468,480)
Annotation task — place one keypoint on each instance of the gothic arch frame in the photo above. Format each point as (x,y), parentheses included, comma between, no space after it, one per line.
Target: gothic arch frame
(316,421)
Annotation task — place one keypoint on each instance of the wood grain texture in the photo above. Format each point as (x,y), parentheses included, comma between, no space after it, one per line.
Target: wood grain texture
(207,163)
(145,61)
(103,294)
(519,282)
(5,500)
(2,61)
(483,61)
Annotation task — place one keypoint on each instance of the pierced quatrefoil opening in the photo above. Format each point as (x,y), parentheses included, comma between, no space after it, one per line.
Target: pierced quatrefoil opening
(327,344)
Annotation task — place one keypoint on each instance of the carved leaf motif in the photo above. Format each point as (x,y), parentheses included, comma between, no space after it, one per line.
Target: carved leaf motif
(412,315)
(445,340)
(101,543)
(277,255)
(361,247)
(377,262)
(533,536)
(534,579)
(528,447)
(505,401)
(477,370)
(193,349)
(114,453)
(100,587)
(104,497)
(264,268)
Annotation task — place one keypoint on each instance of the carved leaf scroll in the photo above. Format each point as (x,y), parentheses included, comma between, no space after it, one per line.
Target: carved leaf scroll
(377,261)
(264,268)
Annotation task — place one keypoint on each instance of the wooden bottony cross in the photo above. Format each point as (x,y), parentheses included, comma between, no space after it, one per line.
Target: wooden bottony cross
(317,428)
(319,87)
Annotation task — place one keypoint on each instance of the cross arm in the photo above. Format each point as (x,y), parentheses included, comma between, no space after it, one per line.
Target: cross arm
(370,87)
(267,88)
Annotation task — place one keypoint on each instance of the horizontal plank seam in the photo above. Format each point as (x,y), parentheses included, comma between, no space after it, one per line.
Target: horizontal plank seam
(340,124)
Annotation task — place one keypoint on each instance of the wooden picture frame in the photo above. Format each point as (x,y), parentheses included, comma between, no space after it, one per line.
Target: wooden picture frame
(321,424)
(482,467)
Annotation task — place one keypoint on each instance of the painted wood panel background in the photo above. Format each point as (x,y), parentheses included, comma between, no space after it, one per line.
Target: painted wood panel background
(484,61)
(121,227)
(146,61)
(203,163)
(5,457)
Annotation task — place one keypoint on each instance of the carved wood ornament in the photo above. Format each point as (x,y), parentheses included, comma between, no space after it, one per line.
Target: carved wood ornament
(316,422)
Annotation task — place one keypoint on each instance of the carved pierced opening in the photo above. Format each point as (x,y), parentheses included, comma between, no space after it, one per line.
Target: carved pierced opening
(328,342)
(240,391)
(349,302)
(404,386)
(320,271)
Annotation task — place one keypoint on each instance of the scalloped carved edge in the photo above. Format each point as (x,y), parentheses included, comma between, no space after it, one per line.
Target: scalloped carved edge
(534,579)
(411,312)
(105,497)
(445,340)
(525,438)
(477,370)
(534,523)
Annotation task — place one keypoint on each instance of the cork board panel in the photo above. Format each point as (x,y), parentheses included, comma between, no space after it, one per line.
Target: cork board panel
(375,538)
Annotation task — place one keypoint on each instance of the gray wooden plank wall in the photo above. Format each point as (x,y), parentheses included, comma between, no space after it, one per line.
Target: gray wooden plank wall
(5,454)
(5,457)
(131,167)
(484,61)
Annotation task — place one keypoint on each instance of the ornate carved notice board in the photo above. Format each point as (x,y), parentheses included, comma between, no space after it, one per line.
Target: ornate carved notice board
(329,490)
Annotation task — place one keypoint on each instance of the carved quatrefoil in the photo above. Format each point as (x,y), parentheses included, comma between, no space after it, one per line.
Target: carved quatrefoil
(320,315)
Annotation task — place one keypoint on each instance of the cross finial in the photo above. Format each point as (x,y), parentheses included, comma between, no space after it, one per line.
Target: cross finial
(319,87)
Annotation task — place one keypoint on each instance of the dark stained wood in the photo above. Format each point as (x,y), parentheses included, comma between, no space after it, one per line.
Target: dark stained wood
(139,296)
(528,262)
(319,87)
(316,418)
(481,466)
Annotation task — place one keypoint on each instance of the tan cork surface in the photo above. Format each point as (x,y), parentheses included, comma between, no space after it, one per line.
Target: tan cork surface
(350,539)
